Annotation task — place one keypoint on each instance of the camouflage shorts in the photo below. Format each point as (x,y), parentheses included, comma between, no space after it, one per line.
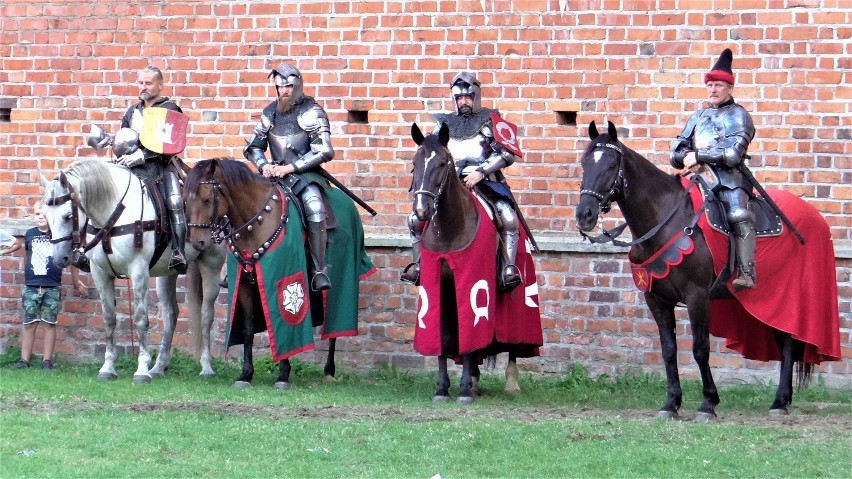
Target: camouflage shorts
(40,304)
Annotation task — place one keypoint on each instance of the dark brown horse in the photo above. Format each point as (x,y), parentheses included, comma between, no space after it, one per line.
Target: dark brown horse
(263,231)
(453,216)
(657,209)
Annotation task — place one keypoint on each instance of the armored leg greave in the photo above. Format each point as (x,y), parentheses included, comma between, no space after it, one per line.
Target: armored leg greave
(315,213)
(745,238)
(411,273)
(510,276)
(317,239)
(174,204)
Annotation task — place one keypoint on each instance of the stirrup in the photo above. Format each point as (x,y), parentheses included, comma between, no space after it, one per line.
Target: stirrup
(178,263)
(320,281)
(510,279)
(411,274)
(743,281)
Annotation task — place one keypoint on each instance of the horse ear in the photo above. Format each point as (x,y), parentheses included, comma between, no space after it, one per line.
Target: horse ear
(444,134)
(613,132)
(43,181)
(593,130)
(63,180)
(416,134)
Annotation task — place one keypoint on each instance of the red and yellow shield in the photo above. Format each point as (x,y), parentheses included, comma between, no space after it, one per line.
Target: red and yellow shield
(164,131)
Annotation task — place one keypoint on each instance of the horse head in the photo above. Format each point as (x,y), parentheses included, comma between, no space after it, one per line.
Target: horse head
(65,218)
(433,167)
(206,210)
(603,176)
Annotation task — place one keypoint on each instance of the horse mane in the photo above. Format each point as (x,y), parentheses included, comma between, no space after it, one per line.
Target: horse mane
(236,173)
(95,183)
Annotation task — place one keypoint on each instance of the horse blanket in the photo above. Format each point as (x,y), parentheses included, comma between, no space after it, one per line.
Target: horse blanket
(486,317)
(290,310)
(796,288)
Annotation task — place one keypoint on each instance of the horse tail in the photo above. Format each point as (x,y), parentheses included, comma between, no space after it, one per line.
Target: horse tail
(803,374)
(194,295)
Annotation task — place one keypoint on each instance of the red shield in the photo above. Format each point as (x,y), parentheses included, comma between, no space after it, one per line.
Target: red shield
(506,134)
(164,131)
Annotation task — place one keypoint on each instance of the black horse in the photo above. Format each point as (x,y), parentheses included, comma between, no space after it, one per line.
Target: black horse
(657,209)
(453,216)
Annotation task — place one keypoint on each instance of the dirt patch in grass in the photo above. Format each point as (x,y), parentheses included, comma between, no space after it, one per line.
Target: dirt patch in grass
(804,418)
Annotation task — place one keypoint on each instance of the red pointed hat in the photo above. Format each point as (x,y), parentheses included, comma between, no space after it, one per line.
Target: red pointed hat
(721,71)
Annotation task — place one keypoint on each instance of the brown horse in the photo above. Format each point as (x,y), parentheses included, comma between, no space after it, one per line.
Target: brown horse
(661,214)
(454,217)
(267,264)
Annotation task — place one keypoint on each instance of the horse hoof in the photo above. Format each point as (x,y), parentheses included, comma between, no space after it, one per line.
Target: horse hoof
(141,378)
(207,374)
(107,377)
(282,385)
(513,391)
(242,384)
(778,412)
(328,379)
(155,372)
(440,399)
(465,400)
(704,417)
(667,415)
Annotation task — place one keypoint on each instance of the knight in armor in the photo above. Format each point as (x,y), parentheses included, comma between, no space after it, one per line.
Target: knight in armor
(150,165)
(295,130)
(718,136)
(479,160)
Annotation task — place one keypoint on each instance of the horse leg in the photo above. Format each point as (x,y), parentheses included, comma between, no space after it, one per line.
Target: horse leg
(106,288)
(475,374)
(283,381)
(466,394)
(663,313)
(699,320)
(784,393)
(512,375)
(207,282)
(166,293)
(247,373)
(330,369)
(442,391)
(139,280)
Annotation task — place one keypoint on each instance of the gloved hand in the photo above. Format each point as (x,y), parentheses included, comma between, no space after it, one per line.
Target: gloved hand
(132,159)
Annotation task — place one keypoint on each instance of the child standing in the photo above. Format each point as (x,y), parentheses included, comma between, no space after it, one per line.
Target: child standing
(41,294)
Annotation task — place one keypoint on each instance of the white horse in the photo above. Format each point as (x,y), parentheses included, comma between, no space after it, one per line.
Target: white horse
(119,206)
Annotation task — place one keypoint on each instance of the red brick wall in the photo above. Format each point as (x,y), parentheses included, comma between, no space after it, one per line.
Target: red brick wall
(64,65)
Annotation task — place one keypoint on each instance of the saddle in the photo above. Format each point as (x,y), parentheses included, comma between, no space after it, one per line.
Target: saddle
(138,228)
(766,221)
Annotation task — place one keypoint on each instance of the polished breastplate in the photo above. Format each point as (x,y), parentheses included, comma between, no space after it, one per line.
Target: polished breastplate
(285,149)
(709,130)
(468,151)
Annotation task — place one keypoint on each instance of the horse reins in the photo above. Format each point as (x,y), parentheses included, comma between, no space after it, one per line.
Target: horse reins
(76,231)
(619,187)
(218,229)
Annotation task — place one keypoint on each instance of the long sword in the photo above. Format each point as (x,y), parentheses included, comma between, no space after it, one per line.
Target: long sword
(747,173)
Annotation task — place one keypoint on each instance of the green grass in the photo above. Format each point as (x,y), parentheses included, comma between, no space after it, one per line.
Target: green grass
(65,423)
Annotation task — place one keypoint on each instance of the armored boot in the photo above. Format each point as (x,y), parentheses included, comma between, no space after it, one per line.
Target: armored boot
(317,239)
(178,261)
(510,276)
(411,273)
(745,238)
